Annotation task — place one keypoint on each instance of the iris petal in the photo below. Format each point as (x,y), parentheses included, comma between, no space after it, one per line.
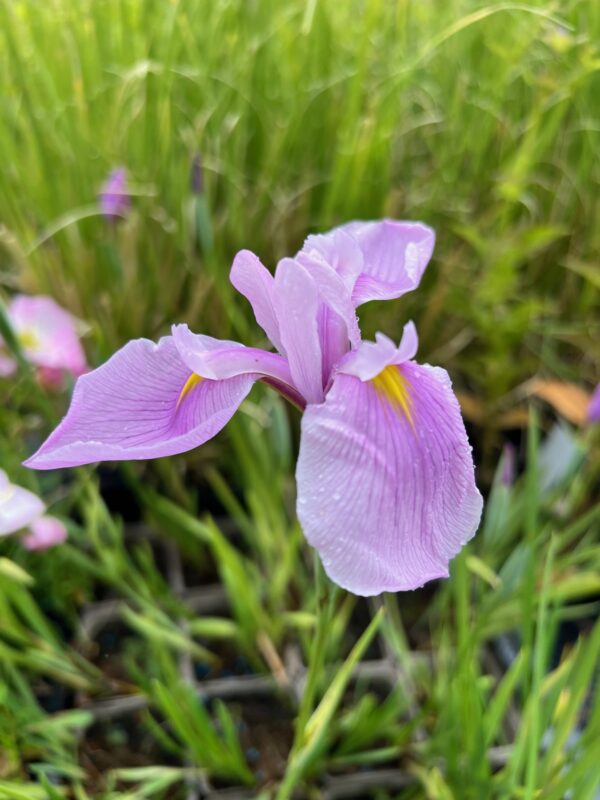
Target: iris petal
(386,259)
(218,359)
(136,406)
(338,249)
(395,255)
(386,489)
(297,305)
(336,315)
(252,279)
(372,357)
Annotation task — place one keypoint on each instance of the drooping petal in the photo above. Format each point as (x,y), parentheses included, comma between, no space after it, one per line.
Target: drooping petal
(44,532)
(218,359)
(372,357)
(296,306)
(252,279)
(142,403)
(47,333)
(18,506)
(386,489)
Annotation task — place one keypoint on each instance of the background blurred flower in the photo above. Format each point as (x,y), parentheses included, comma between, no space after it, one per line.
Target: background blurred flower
(7,364)
(593,412)
(18,506)
(50,377)
(509,456)
(114,198)
(44,532)
(48,337)
(19,509)
(197,175)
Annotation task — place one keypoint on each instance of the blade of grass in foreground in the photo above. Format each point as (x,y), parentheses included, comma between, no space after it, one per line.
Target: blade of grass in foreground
(314,734)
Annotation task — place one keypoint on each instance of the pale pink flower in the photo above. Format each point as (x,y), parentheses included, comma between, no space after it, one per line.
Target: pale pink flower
(48,337)
(18,506)
(19,509)
(45,532)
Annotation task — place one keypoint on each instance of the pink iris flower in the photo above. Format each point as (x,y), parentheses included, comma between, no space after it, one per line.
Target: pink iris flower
(385,476)
(19,509)
(48,337)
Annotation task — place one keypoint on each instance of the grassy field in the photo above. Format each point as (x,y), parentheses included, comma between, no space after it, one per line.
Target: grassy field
(184,643)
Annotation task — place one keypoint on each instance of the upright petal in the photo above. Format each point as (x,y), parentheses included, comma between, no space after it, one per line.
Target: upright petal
(372,357)
(296,305)
(18,506)
(307,308)
(252,279)
(338,249)
(395,255)
(386,489)
(336,316)
(333,293)
(144,402)
(378,260)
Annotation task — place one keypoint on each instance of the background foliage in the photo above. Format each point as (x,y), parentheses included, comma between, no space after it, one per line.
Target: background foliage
(481,120)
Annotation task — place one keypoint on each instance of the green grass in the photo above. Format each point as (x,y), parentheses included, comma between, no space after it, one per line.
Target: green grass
(482,121)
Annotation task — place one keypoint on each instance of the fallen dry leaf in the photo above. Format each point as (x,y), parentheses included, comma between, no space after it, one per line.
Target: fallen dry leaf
(471,408)
(474,410)
(569,399)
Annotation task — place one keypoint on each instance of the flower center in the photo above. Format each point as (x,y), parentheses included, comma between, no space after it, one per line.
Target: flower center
(28,339)
(391,384)
(188,386)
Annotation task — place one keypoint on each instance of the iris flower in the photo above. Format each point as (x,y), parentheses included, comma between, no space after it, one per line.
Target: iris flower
(48,337)
(19,509)
(509,464)
(386,489)
(593,411)
(114,197)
